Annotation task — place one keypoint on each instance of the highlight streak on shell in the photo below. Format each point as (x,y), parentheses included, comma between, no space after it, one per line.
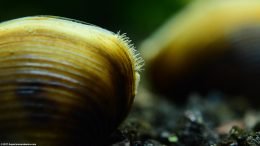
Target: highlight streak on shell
(62,81)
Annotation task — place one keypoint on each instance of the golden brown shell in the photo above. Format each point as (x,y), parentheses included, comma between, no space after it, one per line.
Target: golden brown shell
(63,82)
(210,46)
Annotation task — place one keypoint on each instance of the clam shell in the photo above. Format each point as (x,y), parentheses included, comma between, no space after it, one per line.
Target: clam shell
(207,47)
(63,82)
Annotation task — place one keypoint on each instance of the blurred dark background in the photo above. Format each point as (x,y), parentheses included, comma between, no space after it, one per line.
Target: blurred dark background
(137,18)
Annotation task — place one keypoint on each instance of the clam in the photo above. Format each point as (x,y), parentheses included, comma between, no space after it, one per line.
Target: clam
(63,82)
(209,46)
